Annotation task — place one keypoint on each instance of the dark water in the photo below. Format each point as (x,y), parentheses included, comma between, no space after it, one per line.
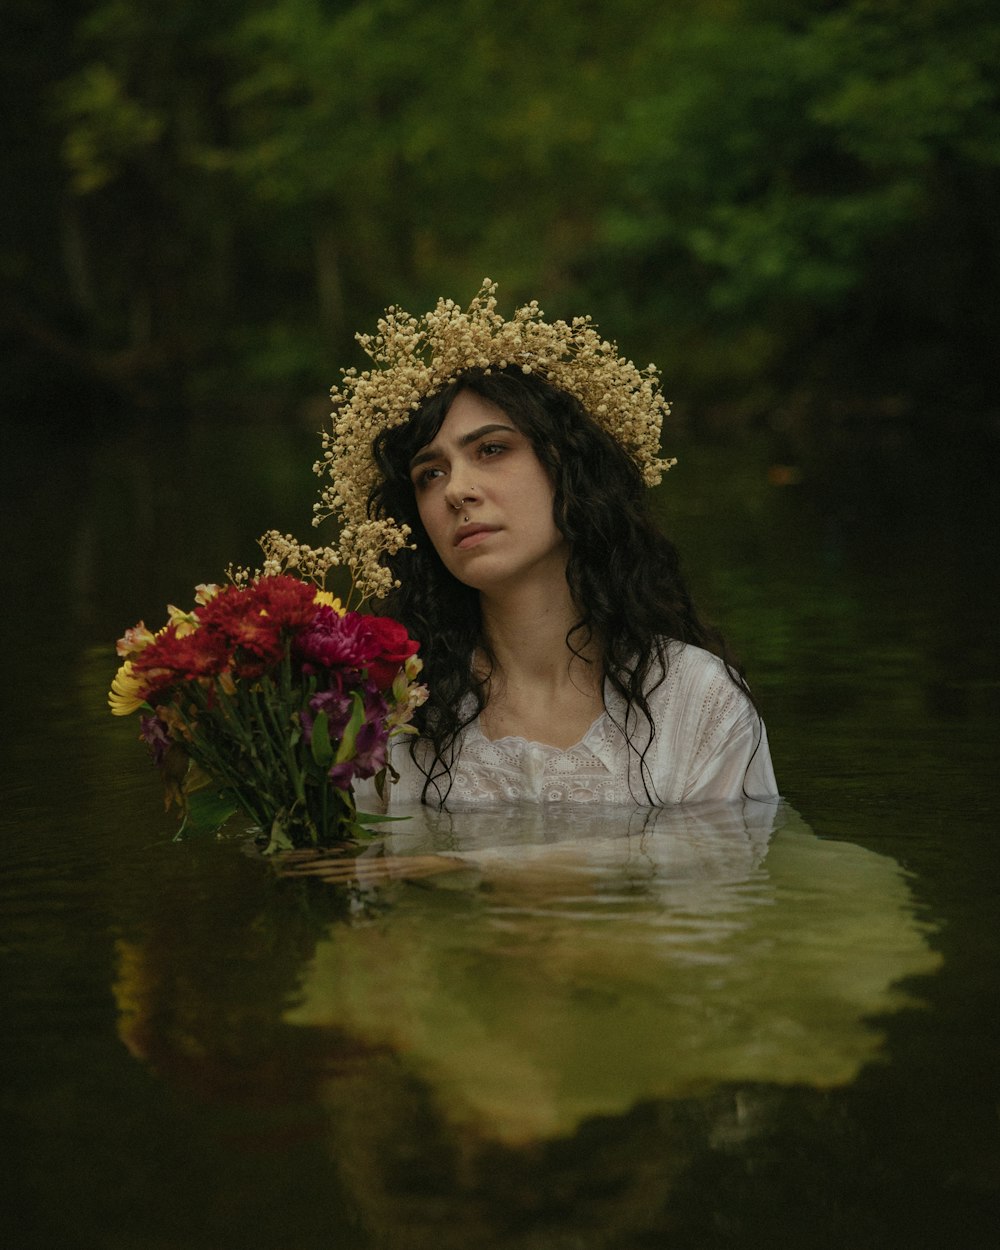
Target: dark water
(720,1029)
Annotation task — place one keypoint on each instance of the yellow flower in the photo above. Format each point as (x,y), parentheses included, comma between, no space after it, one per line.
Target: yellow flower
(186,622)
(125,695)
(326,600)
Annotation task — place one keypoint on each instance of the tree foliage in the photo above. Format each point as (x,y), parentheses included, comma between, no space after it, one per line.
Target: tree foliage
(760,194)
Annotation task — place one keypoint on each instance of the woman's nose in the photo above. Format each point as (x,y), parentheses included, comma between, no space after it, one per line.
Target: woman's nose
(461,490)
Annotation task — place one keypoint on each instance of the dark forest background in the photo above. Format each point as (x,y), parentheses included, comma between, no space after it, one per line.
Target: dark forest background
(792,207)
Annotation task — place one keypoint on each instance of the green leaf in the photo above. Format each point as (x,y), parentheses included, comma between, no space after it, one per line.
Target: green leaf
(347,742)
(322,747)
(278,835)
(207,810)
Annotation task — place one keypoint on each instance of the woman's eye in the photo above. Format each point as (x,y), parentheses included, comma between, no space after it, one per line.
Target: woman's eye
(491,449)
(425,477)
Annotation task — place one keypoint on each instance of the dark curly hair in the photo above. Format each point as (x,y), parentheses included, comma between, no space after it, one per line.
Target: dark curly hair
(623,573)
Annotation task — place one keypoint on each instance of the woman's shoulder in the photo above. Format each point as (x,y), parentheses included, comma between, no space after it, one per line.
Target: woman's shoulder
(695,670)
(698,698)
(691,656)
(690,683)
(710,739)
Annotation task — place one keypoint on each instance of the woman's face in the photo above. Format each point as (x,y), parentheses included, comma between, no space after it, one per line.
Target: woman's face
(485,499)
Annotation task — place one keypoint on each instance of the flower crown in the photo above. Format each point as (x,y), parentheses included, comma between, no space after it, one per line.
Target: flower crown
(417,357)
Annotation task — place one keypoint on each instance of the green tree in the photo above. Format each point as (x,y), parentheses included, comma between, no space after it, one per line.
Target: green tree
(797,179)
(759,194)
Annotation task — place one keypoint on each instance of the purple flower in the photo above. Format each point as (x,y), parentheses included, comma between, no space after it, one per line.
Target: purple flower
(154,733)
(370,744)
(376,704)
(369,756)
(337,707)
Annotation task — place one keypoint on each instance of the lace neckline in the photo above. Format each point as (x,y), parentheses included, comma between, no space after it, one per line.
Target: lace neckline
(519,743)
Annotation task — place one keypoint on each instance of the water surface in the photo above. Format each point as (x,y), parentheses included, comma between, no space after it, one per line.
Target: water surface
(727,1027)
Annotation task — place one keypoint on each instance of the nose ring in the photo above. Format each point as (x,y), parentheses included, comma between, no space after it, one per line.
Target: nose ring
(459,506)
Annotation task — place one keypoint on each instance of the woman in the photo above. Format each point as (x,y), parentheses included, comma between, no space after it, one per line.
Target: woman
(508,464)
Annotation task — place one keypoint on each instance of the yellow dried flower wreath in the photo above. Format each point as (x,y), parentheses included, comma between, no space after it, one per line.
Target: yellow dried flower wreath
(416,357)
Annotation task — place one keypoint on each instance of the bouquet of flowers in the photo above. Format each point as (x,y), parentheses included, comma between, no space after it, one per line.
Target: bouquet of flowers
(268,697)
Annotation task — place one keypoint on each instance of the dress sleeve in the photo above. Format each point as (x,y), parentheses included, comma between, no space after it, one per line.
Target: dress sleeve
(711,744)
(736,761)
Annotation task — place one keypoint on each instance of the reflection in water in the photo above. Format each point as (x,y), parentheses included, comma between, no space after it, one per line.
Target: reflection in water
(566,964)
(239,1124)
(539,1018)
(886,734)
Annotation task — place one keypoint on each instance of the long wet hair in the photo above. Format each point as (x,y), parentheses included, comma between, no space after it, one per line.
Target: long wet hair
(624,574)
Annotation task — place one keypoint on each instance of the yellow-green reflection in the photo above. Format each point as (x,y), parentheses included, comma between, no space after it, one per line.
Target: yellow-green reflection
(535,968)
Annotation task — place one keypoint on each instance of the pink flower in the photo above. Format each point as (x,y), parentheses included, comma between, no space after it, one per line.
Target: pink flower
(376,643)
(134,640)
(335,641)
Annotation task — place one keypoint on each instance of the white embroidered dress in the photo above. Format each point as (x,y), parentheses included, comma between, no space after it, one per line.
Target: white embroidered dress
(709,744)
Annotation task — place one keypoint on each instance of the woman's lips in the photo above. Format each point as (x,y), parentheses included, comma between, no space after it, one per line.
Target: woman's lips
(472,535)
